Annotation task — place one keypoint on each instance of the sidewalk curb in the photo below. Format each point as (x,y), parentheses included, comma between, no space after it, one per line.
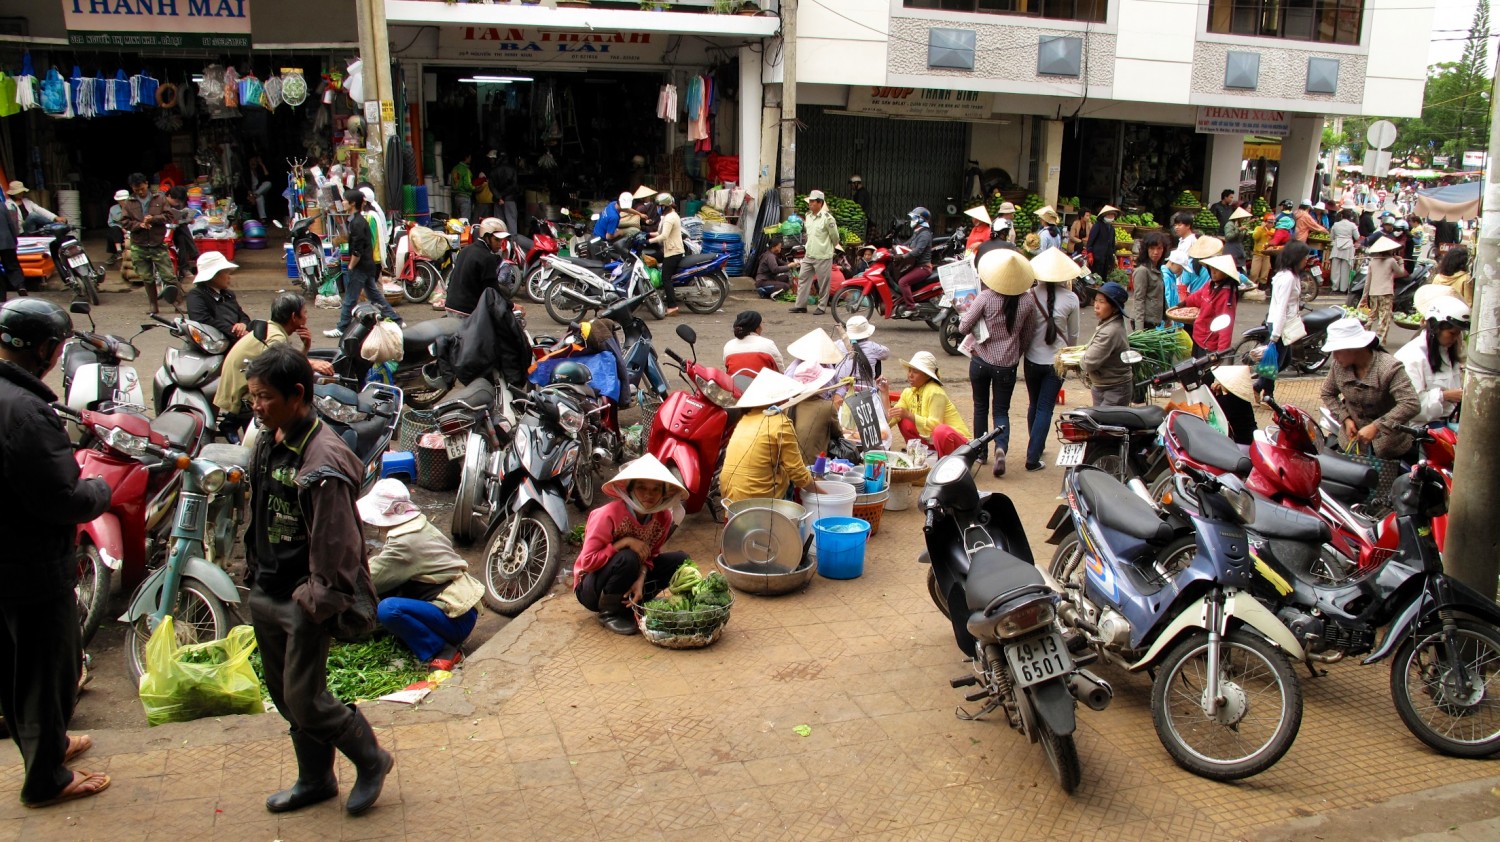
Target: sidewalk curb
(1446,811)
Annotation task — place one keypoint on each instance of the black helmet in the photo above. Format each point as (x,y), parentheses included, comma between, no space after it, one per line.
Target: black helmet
(570,372)
(28,322)
(921,213)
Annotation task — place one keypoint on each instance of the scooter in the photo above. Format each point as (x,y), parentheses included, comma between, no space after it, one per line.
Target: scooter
(189,376)
(74,266)
(131,536)
(628,280)
(873,289)
(1144,595)
(982,577)
(419,379)
(92,367)
(307,249)
(1307,354)
(477,422)
(541,244)
(366,420)
(1406,288)
(418,275)
(690,430)
(523,549)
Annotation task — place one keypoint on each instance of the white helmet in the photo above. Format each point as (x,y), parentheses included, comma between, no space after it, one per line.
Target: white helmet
(1001,224)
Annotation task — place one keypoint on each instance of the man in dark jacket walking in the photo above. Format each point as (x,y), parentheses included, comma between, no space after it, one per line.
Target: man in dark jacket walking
(308,576)
(42,500)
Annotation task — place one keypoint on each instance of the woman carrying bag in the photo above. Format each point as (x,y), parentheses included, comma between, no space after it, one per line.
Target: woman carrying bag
(1059,307)
(1002,321)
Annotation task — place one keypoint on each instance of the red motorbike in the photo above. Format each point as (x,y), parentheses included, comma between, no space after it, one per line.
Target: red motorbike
(138,523)
(862,294)
(543,242)
(690,430)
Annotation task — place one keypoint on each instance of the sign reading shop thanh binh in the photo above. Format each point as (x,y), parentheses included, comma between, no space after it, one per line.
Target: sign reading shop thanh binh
(158,24)
(532,45)
(920,102)
(1213,119)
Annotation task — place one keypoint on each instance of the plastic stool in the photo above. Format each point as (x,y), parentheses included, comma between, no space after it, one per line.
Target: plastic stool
(399,463)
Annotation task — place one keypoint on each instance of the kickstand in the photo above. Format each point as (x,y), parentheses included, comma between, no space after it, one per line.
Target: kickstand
(989,707)
(1313,671)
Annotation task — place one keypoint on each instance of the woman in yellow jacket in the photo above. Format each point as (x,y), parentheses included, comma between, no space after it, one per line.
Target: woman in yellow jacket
(764,458)
(924,411)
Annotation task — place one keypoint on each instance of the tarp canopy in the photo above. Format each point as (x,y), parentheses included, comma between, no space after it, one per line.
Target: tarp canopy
(1451,202)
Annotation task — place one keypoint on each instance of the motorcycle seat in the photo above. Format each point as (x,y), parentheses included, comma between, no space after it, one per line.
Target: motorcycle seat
(692,260)
(1118,508)
(1273,521)
(1209,446)
(1344,471)
(522,242)
(1318,320)
(477,395)
(180,429)
(226,455)
(996,573)
(585,262)
(1145,418)
(364,437)
(416,338)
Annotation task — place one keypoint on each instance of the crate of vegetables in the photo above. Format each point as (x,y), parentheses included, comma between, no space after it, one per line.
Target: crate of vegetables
(691,613)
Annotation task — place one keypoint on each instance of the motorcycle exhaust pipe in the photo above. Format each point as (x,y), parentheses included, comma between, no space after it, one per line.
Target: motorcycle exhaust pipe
(1090,689)
(579,297)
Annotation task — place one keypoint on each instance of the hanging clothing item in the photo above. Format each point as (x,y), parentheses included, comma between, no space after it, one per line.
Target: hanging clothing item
(666,103)
(143,90)
(8,104)
(27,97)
(694,103)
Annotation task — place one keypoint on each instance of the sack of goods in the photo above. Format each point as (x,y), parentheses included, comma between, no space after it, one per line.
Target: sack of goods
(428,243)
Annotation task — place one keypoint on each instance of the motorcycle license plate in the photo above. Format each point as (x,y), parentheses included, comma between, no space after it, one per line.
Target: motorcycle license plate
(78,261)
(1317,271)
(457,445)
(308,261)
(1038,659)
(1071,455)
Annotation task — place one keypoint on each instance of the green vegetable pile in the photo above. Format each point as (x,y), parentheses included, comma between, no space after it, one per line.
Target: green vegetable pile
(1260,207)
(1185,199)
(1065,200)
(698,604)
(1206,222)
(1160,349)
(1123,237)
(1139,219)
(846,212)
(365,670)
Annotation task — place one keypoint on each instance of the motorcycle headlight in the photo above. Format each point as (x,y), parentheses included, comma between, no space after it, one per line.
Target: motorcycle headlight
(950,469)
(210,344)
(523,448)
(126,352)
(118,439)
(716,394)
(1243,503)
(1038,612)
(570,419)
(211,477)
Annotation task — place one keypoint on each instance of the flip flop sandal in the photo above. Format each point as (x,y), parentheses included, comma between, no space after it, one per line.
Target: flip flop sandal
(78,745)
(91,784)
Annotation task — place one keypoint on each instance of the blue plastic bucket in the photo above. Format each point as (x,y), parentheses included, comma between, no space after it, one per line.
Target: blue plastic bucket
(841,547)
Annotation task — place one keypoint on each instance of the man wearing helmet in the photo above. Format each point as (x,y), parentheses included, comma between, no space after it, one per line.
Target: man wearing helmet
(42,499)
(920,244)
(1002,236)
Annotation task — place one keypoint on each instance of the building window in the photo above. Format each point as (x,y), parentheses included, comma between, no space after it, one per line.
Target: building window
(1092,11)
(1323,21)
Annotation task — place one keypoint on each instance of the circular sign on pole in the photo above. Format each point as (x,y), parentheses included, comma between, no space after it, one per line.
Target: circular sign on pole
(1381,134)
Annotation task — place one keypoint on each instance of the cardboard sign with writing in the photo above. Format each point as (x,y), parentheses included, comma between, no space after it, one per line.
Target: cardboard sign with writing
(867,417)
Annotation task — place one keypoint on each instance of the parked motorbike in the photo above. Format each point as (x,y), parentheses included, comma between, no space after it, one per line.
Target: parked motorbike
(523,549)
(92,366)
(1406,288)
(690,429)
(420,382)
(74,266)
(628,280)
(132,534)
(1225,700)
(307,250)
(541,243)
(1307,354)
(477,422)
(1004,614)
(418,274)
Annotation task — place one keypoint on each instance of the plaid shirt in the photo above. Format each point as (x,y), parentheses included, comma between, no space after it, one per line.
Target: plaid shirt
(1383,396)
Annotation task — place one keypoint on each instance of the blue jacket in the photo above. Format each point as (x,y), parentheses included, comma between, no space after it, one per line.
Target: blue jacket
(608,221)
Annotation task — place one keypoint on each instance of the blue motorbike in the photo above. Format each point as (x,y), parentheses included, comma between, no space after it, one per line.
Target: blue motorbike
(1149,591)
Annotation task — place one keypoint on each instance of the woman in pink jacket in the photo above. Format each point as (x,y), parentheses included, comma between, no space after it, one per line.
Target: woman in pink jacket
(622,563)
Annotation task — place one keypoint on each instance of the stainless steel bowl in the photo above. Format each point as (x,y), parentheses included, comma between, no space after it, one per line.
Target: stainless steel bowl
(768,580)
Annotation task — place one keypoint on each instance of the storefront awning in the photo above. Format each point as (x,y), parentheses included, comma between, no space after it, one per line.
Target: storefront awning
(1454,201)
(602,20)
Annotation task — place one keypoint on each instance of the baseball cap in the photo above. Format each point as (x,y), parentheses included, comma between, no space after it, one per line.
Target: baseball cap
(815,195)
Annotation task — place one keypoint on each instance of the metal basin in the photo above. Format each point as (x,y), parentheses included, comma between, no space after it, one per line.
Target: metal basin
(768,579)
(763,531)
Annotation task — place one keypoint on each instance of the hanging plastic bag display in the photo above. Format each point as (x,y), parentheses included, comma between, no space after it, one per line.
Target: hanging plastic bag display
(272,90)
(231,87)
(26,87)
(293,86)
(143,90)
(117,93)
(252,92)
(355,83)
(55,94)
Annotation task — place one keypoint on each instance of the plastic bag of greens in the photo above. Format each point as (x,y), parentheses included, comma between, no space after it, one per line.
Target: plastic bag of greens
(1269,363)
(183,683)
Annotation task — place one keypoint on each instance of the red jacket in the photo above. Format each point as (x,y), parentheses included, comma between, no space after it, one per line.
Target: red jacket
(1211,300)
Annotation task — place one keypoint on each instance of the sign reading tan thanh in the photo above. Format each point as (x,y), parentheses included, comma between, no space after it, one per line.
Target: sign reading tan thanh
(158,24)
(921,102)
(532,45)
(1213,119)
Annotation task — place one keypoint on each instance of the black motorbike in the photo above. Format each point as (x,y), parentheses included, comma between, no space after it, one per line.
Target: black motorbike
(77,270)
(420,381)
(983,578)
(1406,288)
(1307,354)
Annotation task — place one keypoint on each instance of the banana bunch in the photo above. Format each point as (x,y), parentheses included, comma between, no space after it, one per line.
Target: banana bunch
(846,212)
(1206,222)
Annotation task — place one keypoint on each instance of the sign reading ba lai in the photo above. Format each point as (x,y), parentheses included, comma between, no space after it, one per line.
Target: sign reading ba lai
(1213,119)
(526,45)
(158,24)
(921,102)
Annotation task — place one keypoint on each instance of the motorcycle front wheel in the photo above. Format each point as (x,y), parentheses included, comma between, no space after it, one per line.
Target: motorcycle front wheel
(562,308)
(513,582)
(199,618)
(92,590)
(1309,358)
(851,302)
(1062,756)
(1253,727)
(538,278)
(1309,287)
(1457,720)
(88,286)
(419,288)
(706,294)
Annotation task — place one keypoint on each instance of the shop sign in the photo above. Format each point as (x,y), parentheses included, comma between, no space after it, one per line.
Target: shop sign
(529,45)
(1440,160)
(1269,151)
(1473,160)
(921,102)
(158,24)
(1258,121)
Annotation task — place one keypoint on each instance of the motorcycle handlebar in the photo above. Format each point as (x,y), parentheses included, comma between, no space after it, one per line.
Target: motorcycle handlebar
(674,355)
(163,319)
(930,521)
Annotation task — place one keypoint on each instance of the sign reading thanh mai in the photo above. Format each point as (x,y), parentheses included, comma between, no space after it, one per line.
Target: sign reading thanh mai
(1213,119)
(169,24)
(531,45)
(921,102)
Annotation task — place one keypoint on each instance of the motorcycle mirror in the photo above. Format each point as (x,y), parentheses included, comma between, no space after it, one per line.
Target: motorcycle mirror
(1221,322)
(170,293)
(1130,357)
(80,307)
(687,334)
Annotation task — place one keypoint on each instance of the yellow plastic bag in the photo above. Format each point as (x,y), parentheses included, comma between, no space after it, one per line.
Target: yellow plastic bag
(183,683)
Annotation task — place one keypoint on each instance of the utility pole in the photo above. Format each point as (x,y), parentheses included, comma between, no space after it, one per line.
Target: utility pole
(1470,554)
(375,52)
(787,181)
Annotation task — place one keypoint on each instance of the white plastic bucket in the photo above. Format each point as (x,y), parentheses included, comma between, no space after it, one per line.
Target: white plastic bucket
(829,499)
(901,497)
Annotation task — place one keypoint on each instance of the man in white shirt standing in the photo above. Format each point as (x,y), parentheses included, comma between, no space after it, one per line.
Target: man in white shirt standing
(817,267)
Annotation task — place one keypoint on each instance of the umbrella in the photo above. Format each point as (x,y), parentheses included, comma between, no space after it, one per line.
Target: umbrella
(1453,201)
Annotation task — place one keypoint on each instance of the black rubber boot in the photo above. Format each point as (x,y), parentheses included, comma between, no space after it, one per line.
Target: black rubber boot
(316,782)
(371,762)
(615,616)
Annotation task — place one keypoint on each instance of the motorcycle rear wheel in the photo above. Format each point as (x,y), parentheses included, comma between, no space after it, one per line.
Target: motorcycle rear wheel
(1309,287)
(949,336)
(427,277)
(468,522)
(1066,566)
(1187,732)
(706,294)
(1418,674)
(512,584)
(851,302)
(538,278)
(199,618)
(1310,359)
(656,305)
(1062,756)
(92,590)
(560,307)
